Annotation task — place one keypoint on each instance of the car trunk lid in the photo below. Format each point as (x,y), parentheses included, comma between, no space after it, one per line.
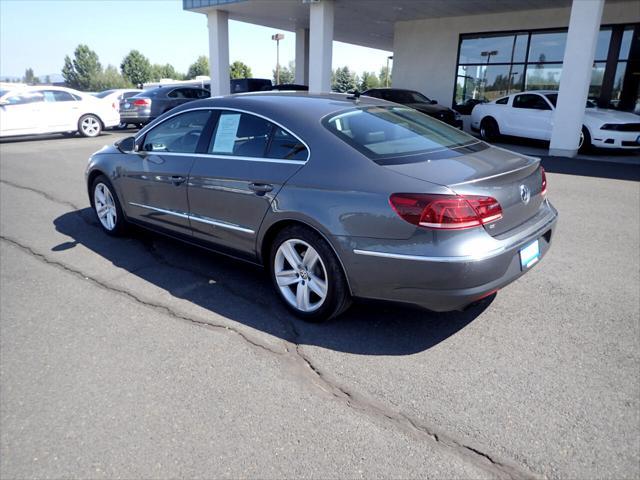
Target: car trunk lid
(514,180)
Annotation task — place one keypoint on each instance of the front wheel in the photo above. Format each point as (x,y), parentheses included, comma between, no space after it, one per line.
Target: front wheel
(584,144)
(107,207)
(307,275)
(89,126)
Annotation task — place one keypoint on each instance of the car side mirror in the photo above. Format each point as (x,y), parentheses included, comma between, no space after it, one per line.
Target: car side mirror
(127,145)
(433,102)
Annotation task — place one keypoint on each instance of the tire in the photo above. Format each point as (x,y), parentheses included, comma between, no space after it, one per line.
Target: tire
(489,129)
(69,134)
(314,292)
(89,126)
(584,144)
(113,222)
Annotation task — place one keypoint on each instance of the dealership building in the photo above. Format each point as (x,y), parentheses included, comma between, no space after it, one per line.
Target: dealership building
(460,51)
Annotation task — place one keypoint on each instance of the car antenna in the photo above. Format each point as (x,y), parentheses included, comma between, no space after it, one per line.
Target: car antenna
(355,96)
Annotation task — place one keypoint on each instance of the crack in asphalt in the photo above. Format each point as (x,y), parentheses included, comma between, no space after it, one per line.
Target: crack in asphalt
(292,352)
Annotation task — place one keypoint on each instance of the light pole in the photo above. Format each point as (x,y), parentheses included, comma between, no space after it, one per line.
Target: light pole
(390,57)
(277,37)
(488,54)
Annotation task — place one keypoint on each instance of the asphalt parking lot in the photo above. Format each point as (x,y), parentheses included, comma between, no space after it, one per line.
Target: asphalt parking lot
(143,357)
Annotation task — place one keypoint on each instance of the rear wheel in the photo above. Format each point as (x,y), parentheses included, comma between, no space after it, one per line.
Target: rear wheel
(107,207)
(307,275)
(89,126)
(489,129)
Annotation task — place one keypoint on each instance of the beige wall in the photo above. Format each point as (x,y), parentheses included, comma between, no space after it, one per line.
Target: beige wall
(425,51)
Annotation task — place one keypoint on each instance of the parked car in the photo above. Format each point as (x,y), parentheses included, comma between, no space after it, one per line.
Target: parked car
(243,85)
(337,198)
(148,105)
(115,96)
(48,109)
(282,87)
(417,101)
(530,115)
(466,107)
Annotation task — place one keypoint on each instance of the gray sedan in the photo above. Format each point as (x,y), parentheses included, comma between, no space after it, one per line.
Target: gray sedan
(338,197)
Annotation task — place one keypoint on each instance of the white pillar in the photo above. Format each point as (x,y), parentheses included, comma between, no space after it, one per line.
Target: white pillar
(218,22)
(320,45)
(302,56)
(584,26)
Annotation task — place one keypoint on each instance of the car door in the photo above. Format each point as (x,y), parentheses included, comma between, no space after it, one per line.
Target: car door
(154,178)
(60,110)
(247,161)
(20,113)
(530,116)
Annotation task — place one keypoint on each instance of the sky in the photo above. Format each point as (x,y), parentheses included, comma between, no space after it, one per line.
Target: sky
(39,33)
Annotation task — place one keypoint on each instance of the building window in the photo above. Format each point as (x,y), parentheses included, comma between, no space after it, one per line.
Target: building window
(493,65)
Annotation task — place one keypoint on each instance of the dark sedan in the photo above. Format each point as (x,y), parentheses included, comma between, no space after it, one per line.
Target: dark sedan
(148,105)
(338,197)
(418,101)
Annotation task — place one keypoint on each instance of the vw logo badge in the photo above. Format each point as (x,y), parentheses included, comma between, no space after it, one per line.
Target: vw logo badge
(525,194)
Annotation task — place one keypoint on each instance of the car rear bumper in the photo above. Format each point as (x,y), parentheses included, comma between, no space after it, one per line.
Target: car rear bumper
(135,117)
(443,283)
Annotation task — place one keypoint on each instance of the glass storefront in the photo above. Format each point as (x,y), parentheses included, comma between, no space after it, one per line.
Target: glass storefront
(493,65)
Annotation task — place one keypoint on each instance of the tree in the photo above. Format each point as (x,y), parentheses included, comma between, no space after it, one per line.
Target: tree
(240,70)
(136,68)
(158,72)
(287,74)
(29,77)
(84,70)
(344,80)
(383,76)
(111,78)
(47,79)
(368,80)
(200,67)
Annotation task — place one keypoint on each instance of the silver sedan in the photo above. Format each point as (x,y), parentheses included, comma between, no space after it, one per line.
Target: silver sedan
(338,197)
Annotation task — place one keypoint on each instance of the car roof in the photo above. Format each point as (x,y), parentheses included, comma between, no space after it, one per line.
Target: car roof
(289,105)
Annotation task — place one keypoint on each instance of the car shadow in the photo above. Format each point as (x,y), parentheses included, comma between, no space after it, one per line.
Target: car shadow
(54,136)
(243,293)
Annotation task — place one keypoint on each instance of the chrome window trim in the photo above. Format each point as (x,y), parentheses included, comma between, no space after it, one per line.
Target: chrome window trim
(196,218)
(228,157)
(239,110)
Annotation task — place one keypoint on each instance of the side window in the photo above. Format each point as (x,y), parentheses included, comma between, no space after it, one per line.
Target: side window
(25,98)
(179,134)
(503,101)
(57,96)
(240,134)
(202,94)
(530,101)
(286,146)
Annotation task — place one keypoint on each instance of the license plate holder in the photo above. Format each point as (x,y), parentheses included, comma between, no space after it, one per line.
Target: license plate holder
(529,255)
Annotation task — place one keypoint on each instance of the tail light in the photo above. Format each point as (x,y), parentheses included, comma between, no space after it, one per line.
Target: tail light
(451,212)
(115,106)
(141,102)
(544,182)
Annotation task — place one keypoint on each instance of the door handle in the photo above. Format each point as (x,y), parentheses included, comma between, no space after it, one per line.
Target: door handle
(177,180)
(260,188)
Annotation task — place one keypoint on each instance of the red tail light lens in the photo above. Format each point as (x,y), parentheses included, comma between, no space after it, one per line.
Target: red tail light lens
(544,182)
(140,102)
(446,211)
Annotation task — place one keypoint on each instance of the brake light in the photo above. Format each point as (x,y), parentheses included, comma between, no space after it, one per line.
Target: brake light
(451,212)
(114,106)
(140,102)
(544,182)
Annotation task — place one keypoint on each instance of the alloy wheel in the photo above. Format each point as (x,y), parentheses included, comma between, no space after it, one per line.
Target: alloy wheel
(301,275)
(105,206)
(90,126)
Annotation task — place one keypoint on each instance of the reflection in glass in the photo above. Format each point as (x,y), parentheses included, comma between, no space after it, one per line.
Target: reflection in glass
(543,77)
(487,83)
(520,48)
(602,46)
(617,84)
(472,48)
(625,47)
(547,47)
(597,75)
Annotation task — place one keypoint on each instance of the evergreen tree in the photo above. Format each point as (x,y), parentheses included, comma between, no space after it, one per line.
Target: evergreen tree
(344,80)
(368,80)
(136,68)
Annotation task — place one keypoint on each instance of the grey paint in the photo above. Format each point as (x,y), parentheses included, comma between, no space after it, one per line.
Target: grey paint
(345,197)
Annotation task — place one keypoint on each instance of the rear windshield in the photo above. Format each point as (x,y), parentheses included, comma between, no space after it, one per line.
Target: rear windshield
(148,93)
(103,94)
(385,132)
